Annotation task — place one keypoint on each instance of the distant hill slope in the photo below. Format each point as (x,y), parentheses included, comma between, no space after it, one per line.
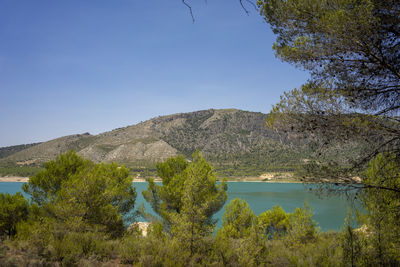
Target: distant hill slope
(8,150)
(235,141)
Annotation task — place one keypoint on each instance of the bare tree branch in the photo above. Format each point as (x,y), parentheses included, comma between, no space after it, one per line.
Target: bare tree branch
(206,1)
(249,2)
(252,4)
(245,10)
(190,9)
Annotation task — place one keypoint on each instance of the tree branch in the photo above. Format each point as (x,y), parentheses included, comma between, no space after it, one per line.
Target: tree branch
(190,9)
(249,2)
(240,1)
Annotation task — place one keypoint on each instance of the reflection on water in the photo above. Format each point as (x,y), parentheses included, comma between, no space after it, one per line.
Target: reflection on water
(329,212)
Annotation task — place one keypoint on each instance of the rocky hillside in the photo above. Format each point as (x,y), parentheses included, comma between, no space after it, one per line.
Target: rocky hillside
(236,142)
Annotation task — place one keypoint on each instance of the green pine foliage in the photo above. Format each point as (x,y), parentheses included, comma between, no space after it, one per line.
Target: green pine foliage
(13,209)
(75,218)
(184,185)
(377,242)
(237,221)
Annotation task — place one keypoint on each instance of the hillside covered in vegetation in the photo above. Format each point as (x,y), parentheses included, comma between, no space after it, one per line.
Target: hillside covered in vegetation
(236,142)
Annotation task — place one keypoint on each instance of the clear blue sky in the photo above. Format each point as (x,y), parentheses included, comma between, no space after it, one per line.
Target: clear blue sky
(75,66)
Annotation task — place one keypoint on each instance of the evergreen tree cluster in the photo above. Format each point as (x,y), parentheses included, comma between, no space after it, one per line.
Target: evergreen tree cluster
(79,211)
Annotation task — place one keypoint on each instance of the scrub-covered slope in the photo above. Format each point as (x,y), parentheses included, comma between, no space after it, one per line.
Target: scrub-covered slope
(236,142)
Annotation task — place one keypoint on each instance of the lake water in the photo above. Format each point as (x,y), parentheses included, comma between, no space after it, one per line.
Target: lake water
(329,212)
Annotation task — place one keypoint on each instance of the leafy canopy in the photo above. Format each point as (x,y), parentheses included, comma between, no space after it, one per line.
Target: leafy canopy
(238,220)
(186,184)
(383,209)
(186,202)
(13,209)
(348,109)
(73,188)
(350,46)
(274,222)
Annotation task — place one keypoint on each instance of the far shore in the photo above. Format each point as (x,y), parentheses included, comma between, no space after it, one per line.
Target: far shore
(142,180)
(255,179)
(277,181)
(14,179)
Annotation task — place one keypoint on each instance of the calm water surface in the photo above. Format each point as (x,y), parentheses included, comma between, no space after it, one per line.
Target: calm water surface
(329,212)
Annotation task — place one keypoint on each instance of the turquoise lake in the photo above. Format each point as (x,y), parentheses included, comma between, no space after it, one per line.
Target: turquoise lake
(329,212)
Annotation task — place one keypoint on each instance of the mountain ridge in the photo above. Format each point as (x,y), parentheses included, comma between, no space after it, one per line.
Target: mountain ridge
(235,141)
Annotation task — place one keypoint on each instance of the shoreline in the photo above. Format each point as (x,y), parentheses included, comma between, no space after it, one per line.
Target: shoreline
(269,181)
(15,179)
(266,177)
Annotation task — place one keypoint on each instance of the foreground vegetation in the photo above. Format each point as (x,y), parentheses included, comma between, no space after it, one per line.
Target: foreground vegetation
(79,212)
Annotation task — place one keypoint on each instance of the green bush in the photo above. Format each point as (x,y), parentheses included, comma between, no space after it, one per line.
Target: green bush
(13,209)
